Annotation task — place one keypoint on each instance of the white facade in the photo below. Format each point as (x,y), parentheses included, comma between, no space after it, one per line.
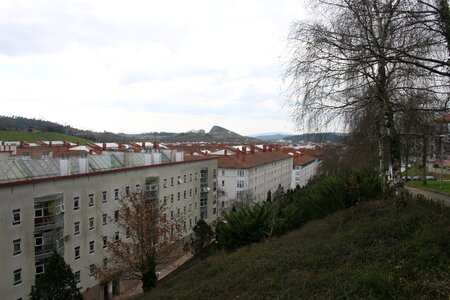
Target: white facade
(70,214)
(301,174)
(252,184)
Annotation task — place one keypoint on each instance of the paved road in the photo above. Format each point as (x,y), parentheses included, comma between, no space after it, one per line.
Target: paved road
(438,197)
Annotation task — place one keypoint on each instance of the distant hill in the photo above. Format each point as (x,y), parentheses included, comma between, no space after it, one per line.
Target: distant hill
(216,134)
(39,136)
(316,137)
(271,137)
(35,126)
(20,126)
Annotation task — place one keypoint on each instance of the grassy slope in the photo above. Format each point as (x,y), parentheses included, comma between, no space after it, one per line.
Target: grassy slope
(39,136)
(368,251)
(434,186)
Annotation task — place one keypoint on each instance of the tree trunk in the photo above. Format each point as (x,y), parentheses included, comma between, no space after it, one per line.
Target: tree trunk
(381,161)
(149,279)
(424,158)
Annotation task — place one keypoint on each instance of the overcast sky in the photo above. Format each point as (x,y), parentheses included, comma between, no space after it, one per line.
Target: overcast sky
(138,66)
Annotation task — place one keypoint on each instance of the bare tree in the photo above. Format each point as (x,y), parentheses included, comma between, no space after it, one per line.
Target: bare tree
(149,237)
(352,60)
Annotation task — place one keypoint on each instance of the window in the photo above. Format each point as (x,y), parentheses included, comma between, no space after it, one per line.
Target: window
(91,247)
(38,241)
(184,209)
(190,177)
(179,180)
(171,214)
(214,186)
(39,267)
(240,183)
(214,173)
(171,181)
(116,194)
(16,247)
(104,219)
(138,188)
(190,207)
(190,223)
(184,178)
(190,193)
(16,216)
(178,196)
(92,270)
(195,206)
(240,173)
(178,212)
(165,200)
(104,196)
(17,277)
(116,216)
(223,172)
(91,223)
(105,241)
(196,176)
(214,210)
(116,236)
(76,228)
(184,195)
(76,203)
(165,183)
(77,252)
(195,191)
(171,198)
(240,194)
(127,191)
(105,263)
(77,276)
(91,199)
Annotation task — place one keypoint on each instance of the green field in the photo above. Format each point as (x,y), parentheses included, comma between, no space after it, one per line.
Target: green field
(370,251)
(417,171)
(39,136)
(434,186)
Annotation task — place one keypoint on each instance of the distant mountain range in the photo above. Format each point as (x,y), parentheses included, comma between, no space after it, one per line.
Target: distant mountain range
(301,138)
(216,134)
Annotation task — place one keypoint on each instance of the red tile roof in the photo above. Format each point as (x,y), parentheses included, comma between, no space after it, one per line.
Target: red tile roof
(301,160)
(250,160)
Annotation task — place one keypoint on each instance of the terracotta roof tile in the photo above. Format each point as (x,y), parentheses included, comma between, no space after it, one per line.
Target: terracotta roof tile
(250,160)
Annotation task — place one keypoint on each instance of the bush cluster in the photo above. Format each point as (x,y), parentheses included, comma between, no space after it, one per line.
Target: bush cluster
(322,196)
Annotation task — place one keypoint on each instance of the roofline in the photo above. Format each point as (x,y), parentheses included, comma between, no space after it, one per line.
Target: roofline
(39,180)
(255,165)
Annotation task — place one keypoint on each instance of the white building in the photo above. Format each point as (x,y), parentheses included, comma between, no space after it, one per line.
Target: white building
(305,167)
(65,205)
(247,176)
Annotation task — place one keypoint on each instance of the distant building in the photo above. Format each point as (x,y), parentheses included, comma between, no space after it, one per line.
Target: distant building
(305,168)
(245,177)
(64,205)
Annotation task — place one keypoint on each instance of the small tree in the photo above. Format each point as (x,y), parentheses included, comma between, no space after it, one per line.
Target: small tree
(202,236)
(151,238)
(58,281)
(269,196)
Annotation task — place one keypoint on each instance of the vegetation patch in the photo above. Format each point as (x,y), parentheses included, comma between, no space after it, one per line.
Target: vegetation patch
(39,136)
(370,250)
(434,186)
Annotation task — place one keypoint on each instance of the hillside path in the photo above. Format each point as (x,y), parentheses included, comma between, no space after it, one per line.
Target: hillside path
(438,197)
(137,290)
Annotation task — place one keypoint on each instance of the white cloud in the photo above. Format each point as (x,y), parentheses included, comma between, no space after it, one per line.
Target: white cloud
(154,65)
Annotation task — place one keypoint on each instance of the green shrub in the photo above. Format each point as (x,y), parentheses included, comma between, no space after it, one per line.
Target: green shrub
(318,199)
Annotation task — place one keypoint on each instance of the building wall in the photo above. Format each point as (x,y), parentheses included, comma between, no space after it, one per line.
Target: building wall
(257,181)
(302,174)
(22,196)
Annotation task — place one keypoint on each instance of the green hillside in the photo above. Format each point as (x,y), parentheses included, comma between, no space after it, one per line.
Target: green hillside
(39,136)
(370,251)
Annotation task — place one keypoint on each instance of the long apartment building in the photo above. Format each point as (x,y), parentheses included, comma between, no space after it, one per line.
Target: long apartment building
(65,204)
(246,174)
